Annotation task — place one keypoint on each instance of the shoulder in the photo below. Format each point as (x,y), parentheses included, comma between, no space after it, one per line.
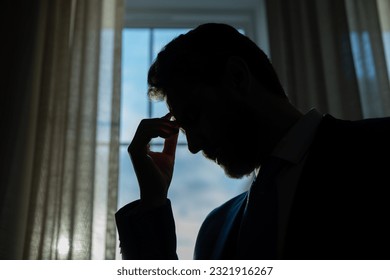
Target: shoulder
(360,134)
(216,225)
(230,207)
(220,215)
(349,152)
(350,148)
(330,123)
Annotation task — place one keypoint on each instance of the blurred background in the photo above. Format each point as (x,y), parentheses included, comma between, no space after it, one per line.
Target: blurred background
(74,90)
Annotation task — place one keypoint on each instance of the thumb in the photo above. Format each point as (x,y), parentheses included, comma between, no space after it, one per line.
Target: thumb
(170,145)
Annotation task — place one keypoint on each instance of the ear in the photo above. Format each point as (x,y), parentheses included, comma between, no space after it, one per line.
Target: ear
(238,75)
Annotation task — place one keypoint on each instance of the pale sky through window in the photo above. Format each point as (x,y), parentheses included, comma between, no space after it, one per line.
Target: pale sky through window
(198,185)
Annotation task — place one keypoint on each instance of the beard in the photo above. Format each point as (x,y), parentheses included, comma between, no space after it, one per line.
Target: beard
(236,150)
(236,164)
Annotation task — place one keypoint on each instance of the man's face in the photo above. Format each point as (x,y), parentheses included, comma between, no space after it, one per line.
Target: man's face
(223,128)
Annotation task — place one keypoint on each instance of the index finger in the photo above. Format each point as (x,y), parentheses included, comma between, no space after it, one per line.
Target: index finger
(170,145)
(167,116)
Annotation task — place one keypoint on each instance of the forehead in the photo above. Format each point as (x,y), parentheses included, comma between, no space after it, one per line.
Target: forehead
(179,105)
(194,100)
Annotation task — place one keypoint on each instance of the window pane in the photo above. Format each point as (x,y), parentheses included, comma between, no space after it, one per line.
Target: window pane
(135,65)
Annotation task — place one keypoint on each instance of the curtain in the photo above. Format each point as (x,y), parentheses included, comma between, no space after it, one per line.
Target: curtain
(314,50)
(384,11)
(369,53)
(64,205)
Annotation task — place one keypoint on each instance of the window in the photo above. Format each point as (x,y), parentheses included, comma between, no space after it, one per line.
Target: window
(198,185)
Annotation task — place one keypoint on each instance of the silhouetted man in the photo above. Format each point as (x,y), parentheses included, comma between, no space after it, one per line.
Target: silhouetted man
(322,191)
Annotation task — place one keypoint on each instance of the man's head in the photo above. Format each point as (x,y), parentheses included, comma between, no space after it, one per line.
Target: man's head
(214,80)
(200,56)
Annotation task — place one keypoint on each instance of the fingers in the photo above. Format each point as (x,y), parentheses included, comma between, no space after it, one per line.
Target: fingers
(170,145)
(167,116)
(153,128)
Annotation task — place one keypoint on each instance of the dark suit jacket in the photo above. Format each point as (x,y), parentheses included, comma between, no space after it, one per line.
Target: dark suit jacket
(340,210)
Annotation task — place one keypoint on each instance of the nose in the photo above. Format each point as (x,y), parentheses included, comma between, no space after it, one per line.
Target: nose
(194,142)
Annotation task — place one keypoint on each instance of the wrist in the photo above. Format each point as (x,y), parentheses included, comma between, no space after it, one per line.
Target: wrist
(152,202)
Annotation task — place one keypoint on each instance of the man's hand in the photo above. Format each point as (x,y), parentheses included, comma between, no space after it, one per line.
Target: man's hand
(154,170)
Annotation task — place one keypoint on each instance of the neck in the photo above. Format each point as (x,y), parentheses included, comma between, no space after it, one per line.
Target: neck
(276,119)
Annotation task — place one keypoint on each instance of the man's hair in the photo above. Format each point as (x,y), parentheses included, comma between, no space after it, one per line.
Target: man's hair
(200,56)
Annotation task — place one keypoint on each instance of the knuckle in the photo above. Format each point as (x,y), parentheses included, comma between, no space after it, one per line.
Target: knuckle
(143,122)
(130,148)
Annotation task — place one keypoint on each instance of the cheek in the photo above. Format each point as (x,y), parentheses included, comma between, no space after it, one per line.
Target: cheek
(221,131)
(228,125)
(240,130)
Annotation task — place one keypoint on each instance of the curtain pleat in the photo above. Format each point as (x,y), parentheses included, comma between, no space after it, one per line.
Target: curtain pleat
(113,172)
(83,187)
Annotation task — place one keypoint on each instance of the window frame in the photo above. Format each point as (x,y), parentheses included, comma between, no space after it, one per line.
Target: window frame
(249,15)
